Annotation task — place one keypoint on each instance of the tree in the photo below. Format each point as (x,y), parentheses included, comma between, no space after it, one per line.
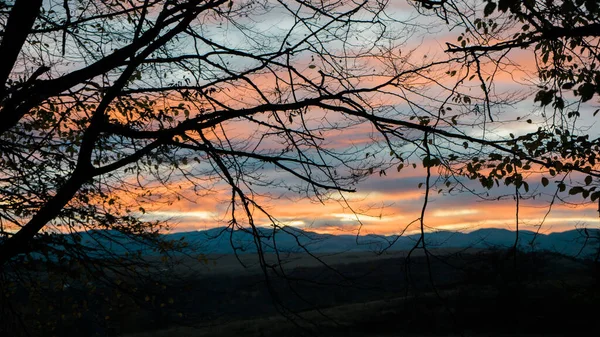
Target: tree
(109,106)
(560,36)
(98,92)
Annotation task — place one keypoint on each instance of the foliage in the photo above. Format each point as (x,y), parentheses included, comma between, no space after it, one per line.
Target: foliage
(111,107)
(561,36)
(107,104)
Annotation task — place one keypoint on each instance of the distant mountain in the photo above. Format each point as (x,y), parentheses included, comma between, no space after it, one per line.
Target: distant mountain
(289,239)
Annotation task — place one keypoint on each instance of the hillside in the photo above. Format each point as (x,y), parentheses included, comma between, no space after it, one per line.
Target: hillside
(575,243)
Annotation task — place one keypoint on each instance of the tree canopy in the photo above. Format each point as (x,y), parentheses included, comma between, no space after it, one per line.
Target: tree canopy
(561,40)
(104,99)
(111,106)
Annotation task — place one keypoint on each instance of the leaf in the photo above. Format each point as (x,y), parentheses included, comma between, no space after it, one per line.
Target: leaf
(545,181)
(489,8)
(588,180)
(568,86)
(312,66)
(503,5)
(544,97)
(575,190)
(586,91)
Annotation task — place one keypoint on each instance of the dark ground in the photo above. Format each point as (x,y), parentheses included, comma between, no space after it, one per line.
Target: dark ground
(477,292)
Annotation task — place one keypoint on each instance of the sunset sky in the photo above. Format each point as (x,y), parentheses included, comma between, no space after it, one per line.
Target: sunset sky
(387,204)
(298,167)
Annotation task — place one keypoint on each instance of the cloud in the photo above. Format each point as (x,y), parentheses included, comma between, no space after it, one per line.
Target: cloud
(166,215)
(454,212)
(350,217)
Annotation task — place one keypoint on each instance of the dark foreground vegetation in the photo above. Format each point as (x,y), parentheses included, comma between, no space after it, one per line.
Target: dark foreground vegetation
(472,292)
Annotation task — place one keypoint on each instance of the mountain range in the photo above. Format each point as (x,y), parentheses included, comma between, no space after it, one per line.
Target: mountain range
(577,243)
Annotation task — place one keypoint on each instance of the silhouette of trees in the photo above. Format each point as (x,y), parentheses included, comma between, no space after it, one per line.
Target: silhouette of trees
(110,106)
(102,97)
(553,43)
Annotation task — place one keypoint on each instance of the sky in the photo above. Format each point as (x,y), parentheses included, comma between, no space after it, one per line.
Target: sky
(389,203)
(392,203)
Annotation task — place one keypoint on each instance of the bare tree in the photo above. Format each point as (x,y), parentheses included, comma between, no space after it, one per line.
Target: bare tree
(112,105)
(99,93)
(105,102)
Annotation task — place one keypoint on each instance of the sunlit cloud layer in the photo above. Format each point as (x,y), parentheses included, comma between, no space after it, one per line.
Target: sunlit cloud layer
(392,203)
(387,205)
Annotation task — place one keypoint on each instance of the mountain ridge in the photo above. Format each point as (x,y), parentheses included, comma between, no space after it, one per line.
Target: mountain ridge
(223,240)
